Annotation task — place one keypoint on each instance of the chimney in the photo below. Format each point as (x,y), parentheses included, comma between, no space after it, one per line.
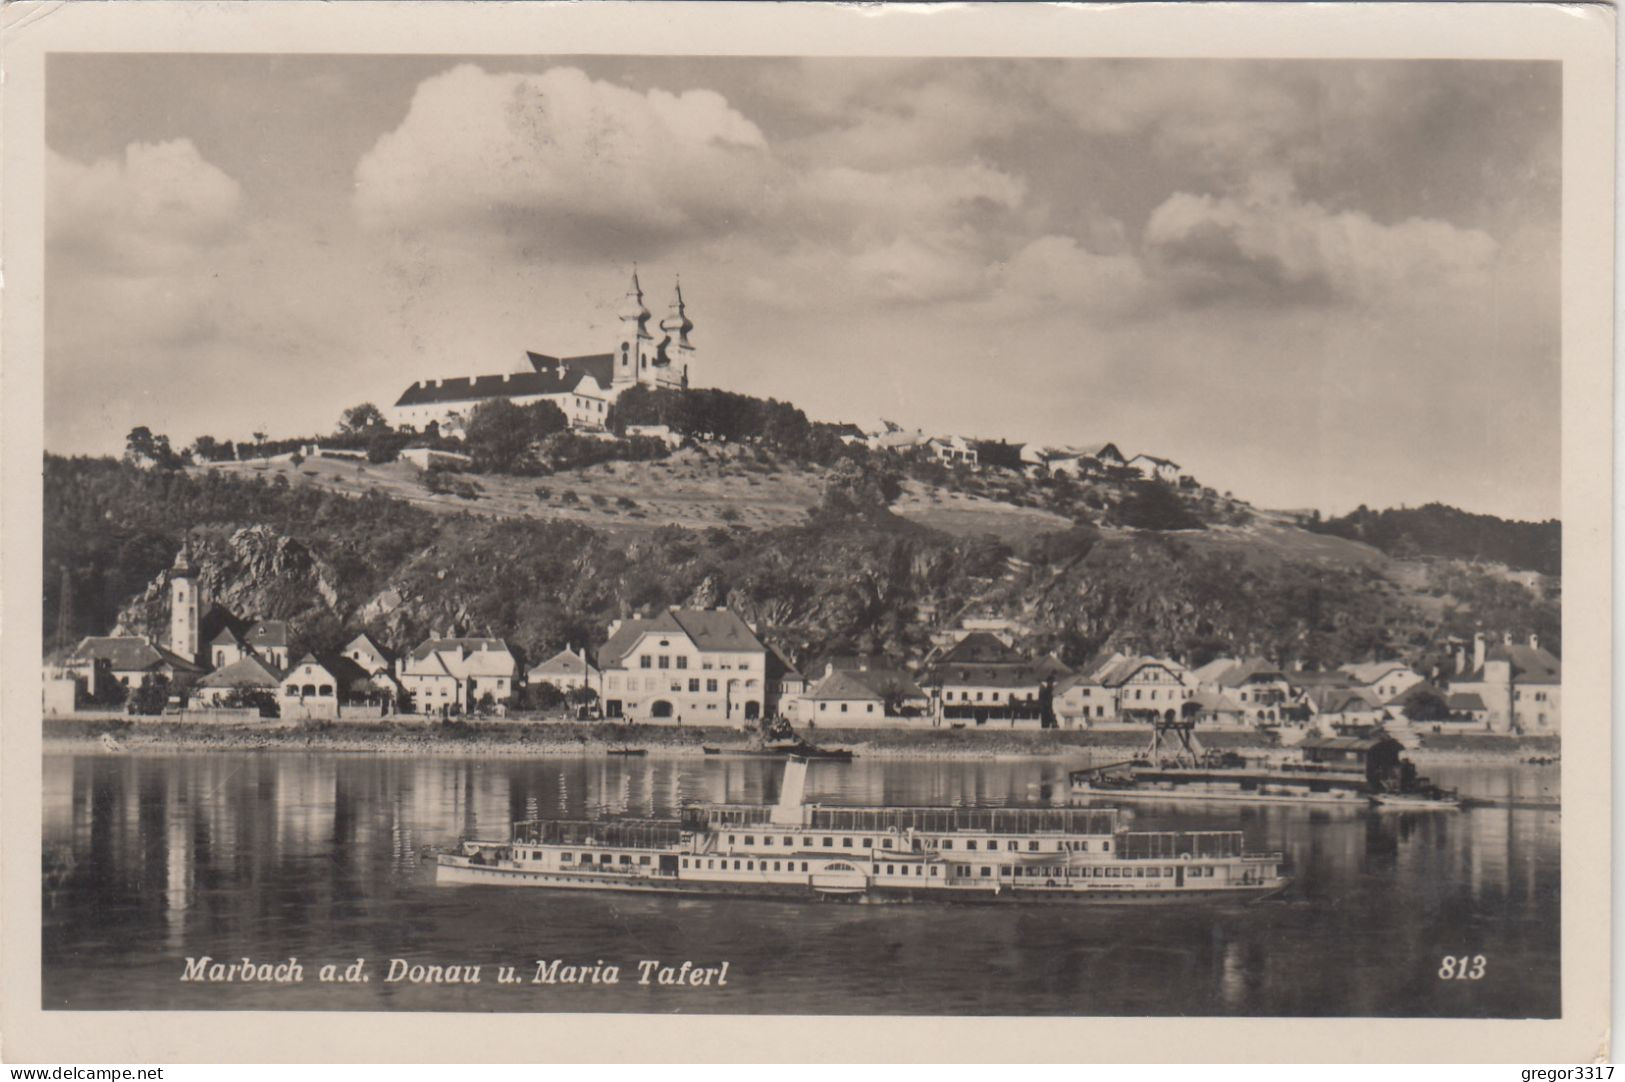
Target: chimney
(1461,659)
(1478,651)
(614,626)
(1506,638)
(1534,641)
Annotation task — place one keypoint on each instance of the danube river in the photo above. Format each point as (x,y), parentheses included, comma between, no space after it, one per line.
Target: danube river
(150,860)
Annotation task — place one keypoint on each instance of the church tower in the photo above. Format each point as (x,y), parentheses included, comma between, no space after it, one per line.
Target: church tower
(634,352)
(185,609)
(676,351)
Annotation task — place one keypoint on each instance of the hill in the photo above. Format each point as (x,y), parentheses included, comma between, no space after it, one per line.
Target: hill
(1437,530)
(334,556)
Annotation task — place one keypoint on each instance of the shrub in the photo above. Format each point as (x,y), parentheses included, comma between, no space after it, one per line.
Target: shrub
(569,496)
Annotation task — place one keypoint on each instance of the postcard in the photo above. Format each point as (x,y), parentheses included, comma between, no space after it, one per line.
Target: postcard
(807,532)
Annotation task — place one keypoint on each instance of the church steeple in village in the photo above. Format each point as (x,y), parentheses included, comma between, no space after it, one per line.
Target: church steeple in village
(633,312)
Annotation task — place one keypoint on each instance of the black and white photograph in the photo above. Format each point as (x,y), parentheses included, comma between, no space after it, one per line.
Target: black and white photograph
(626,531)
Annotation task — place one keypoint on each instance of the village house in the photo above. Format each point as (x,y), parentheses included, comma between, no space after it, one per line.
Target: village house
(1385,680)
(980,678)
(567,670)
(373,678)
(952,450)
(448,675)
(1153,468)
(309,690)
(129,661)
(1520,685)
(862,695)
(785,686)
(1258,689)
(702,666)
(237,682)
(583,387)
(1144,690)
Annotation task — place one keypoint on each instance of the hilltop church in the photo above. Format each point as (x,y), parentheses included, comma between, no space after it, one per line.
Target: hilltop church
(582,387)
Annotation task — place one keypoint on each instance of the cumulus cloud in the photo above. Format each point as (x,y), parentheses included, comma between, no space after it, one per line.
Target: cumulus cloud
(156,208)
(1057,273)
(574,165)
(1270,246)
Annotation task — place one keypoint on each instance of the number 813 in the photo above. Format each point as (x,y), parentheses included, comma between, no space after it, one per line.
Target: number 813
(1462,967)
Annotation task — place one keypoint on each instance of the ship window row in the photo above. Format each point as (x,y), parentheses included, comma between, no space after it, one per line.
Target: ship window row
(748,865)
(829,842)
(587,858)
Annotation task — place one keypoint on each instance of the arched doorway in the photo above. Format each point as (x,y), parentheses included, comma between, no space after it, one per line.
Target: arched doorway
(1169,717)
(661,708)
(753,710)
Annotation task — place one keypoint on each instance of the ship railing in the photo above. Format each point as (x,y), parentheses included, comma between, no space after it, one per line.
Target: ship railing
(609,833)
(1173,844)
(1020,821)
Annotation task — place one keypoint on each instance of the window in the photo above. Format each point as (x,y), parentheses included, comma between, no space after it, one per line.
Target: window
(293,689)
(986,872)
(730,839)
(821,706)
(645,662)
(971,844)
(947,843)
(569,858)
(803,865)
(693,684)
(829,843)
(776,865)
(665,662)
(1032,847)
(750,839)
(885,843)
(808,842)
(868,843)
(978,696)
(682,663)
(789,841)
(846,843)
(869,709)
(643,860)
(843,708)
(711,685)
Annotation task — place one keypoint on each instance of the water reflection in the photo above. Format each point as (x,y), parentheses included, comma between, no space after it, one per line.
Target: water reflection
(149,860)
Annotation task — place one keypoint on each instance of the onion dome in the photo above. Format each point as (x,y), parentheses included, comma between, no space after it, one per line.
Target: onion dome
(677,321)
(633,310)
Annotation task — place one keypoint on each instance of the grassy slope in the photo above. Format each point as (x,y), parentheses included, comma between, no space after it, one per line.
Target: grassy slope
(689,489)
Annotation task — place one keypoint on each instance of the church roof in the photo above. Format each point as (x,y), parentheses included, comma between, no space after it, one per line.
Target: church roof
(128,653)
(554,380)
(267,634)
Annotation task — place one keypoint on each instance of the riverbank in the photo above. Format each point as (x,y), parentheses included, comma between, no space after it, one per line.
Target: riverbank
(544,739)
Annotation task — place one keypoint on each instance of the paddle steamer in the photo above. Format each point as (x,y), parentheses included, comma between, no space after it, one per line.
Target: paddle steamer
(872,854)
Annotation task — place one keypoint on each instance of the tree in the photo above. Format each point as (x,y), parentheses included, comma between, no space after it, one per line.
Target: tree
(500,434)
(1151,505)
(152,696)
(363,418)
(143,448)
(1426,704)
(542,696)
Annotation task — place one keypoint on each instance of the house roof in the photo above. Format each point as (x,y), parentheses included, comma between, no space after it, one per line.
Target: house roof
(1532,664)
(227,637)
(600,366)
(1099,450)
(1122,668)
(563,663)
(1252,668)
(267,633)
(867,684)
(1155,459)
(1465,700)
(984,676)
(1338,700)
(554,380)
(346,673)
(364,641)
(1306,678)
(709,629)
(129,653)
(778,666)
(1369,672)
(245,672)
(981,647)
(473,656)
(1215,702)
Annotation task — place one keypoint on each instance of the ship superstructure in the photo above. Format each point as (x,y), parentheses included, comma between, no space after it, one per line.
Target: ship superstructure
(793,849)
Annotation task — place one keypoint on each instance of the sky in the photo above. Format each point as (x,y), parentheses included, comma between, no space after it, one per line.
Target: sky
(1316,284)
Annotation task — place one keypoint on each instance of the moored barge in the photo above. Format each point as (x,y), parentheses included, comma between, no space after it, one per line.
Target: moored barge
(873,854)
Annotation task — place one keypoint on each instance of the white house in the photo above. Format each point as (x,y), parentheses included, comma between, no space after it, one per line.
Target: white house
(126,660)
(1384,680)
(701,666)
(308,690)
(1153,468)
(566,670)
(952,450)
(246,674)
(453,675)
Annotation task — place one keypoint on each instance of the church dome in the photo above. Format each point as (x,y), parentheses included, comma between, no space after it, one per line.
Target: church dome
(633,310)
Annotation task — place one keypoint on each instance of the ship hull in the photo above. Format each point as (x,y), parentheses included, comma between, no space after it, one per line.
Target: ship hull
(1185,794)
(452,870)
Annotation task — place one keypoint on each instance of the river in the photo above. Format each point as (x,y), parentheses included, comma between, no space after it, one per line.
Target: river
(153,859)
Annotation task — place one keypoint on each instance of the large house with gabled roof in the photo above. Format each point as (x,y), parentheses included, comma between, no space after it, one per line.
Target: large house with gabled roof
(449,675)
(700,666)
